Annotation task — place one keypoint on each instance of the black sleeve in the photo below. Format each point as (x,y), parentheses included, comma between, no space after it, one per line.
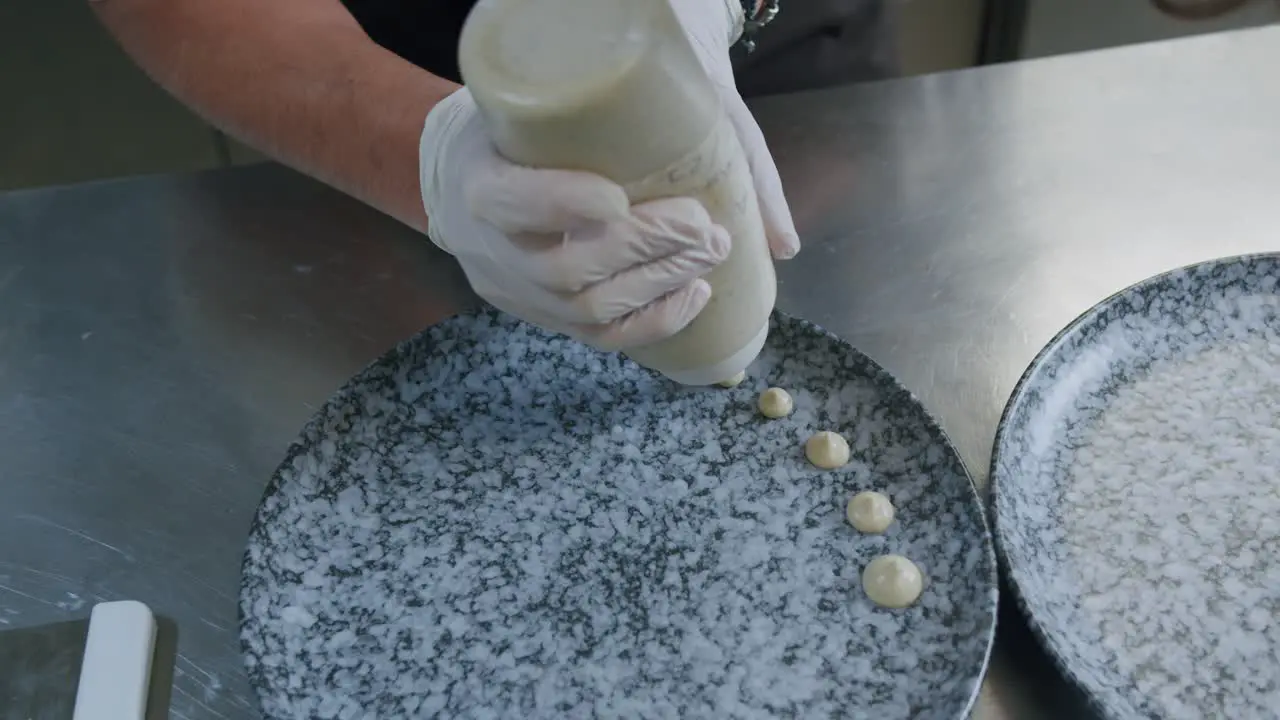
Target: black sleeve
(813,43)
(424,32)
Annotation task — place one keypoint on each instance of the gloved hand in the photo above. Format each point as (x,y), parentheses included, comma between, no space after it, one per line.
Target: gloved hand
(562,249)
(713,26)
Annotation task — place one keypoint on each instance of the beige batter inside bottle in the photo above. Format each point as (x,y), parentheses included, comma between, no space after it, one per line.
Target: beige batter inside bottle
(613,87)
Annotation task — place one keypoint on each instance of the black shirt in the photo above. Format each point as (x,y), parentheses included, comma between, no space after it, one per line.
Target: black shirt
(814,43)
(424,32)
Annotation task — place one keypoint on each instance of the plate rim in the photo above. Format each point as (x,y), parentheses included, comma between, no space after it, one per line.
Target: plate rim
(932,424)
(994,484)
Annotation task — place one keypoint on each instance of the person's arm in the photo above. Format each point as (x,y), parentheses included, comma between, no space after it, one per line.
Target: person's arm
(296,79)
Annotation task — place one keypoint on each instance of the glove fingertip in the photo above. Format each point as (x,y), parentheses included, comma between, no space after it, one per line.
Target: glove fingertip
(779,227)
(693,300)
(785,246)
(700,294)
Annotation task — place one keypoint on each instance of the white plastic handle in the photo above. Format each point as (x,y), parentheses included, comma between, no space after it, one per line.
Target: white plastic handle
(116,671)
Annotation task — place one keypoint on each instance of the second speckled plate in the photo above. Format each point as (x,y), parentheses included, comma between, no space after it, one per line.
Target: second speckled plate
(492,521)
(1136,495)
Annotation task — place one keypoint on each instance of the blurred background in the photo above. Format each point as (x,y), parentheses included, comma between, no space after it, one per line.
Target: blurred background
(73,108)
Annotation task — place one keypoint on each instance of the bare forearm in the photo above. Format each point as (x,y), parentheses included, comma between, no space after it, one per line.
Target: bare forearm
(297,79)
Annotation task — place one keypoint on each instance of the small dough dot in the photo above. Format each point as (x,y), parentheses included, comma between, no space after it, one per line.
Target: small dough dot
(870,512)
(734,381)
(776,403)
(827,450)
(892,581)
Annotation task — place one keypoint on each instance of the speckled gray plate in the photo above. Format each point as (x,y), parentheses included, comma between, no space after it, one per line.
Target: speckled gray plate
(492,521)
(1137,500)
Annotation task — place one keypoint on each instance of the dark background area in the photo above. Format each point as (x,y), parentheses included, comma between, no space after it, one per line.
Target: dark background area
(73,107)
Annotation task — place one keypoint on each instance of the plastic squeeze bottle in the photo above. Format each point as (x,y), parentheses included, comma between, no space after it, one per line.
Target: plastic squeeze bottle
(613,87)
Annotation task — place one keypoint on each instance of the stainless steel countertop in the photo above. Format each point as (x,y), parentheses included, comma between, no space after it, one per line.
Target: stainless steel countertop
(162,339)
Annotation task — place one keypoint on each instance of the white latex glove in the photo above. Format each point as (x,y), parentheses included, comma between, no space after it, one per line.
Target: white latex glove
(712,27)
(563,249)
